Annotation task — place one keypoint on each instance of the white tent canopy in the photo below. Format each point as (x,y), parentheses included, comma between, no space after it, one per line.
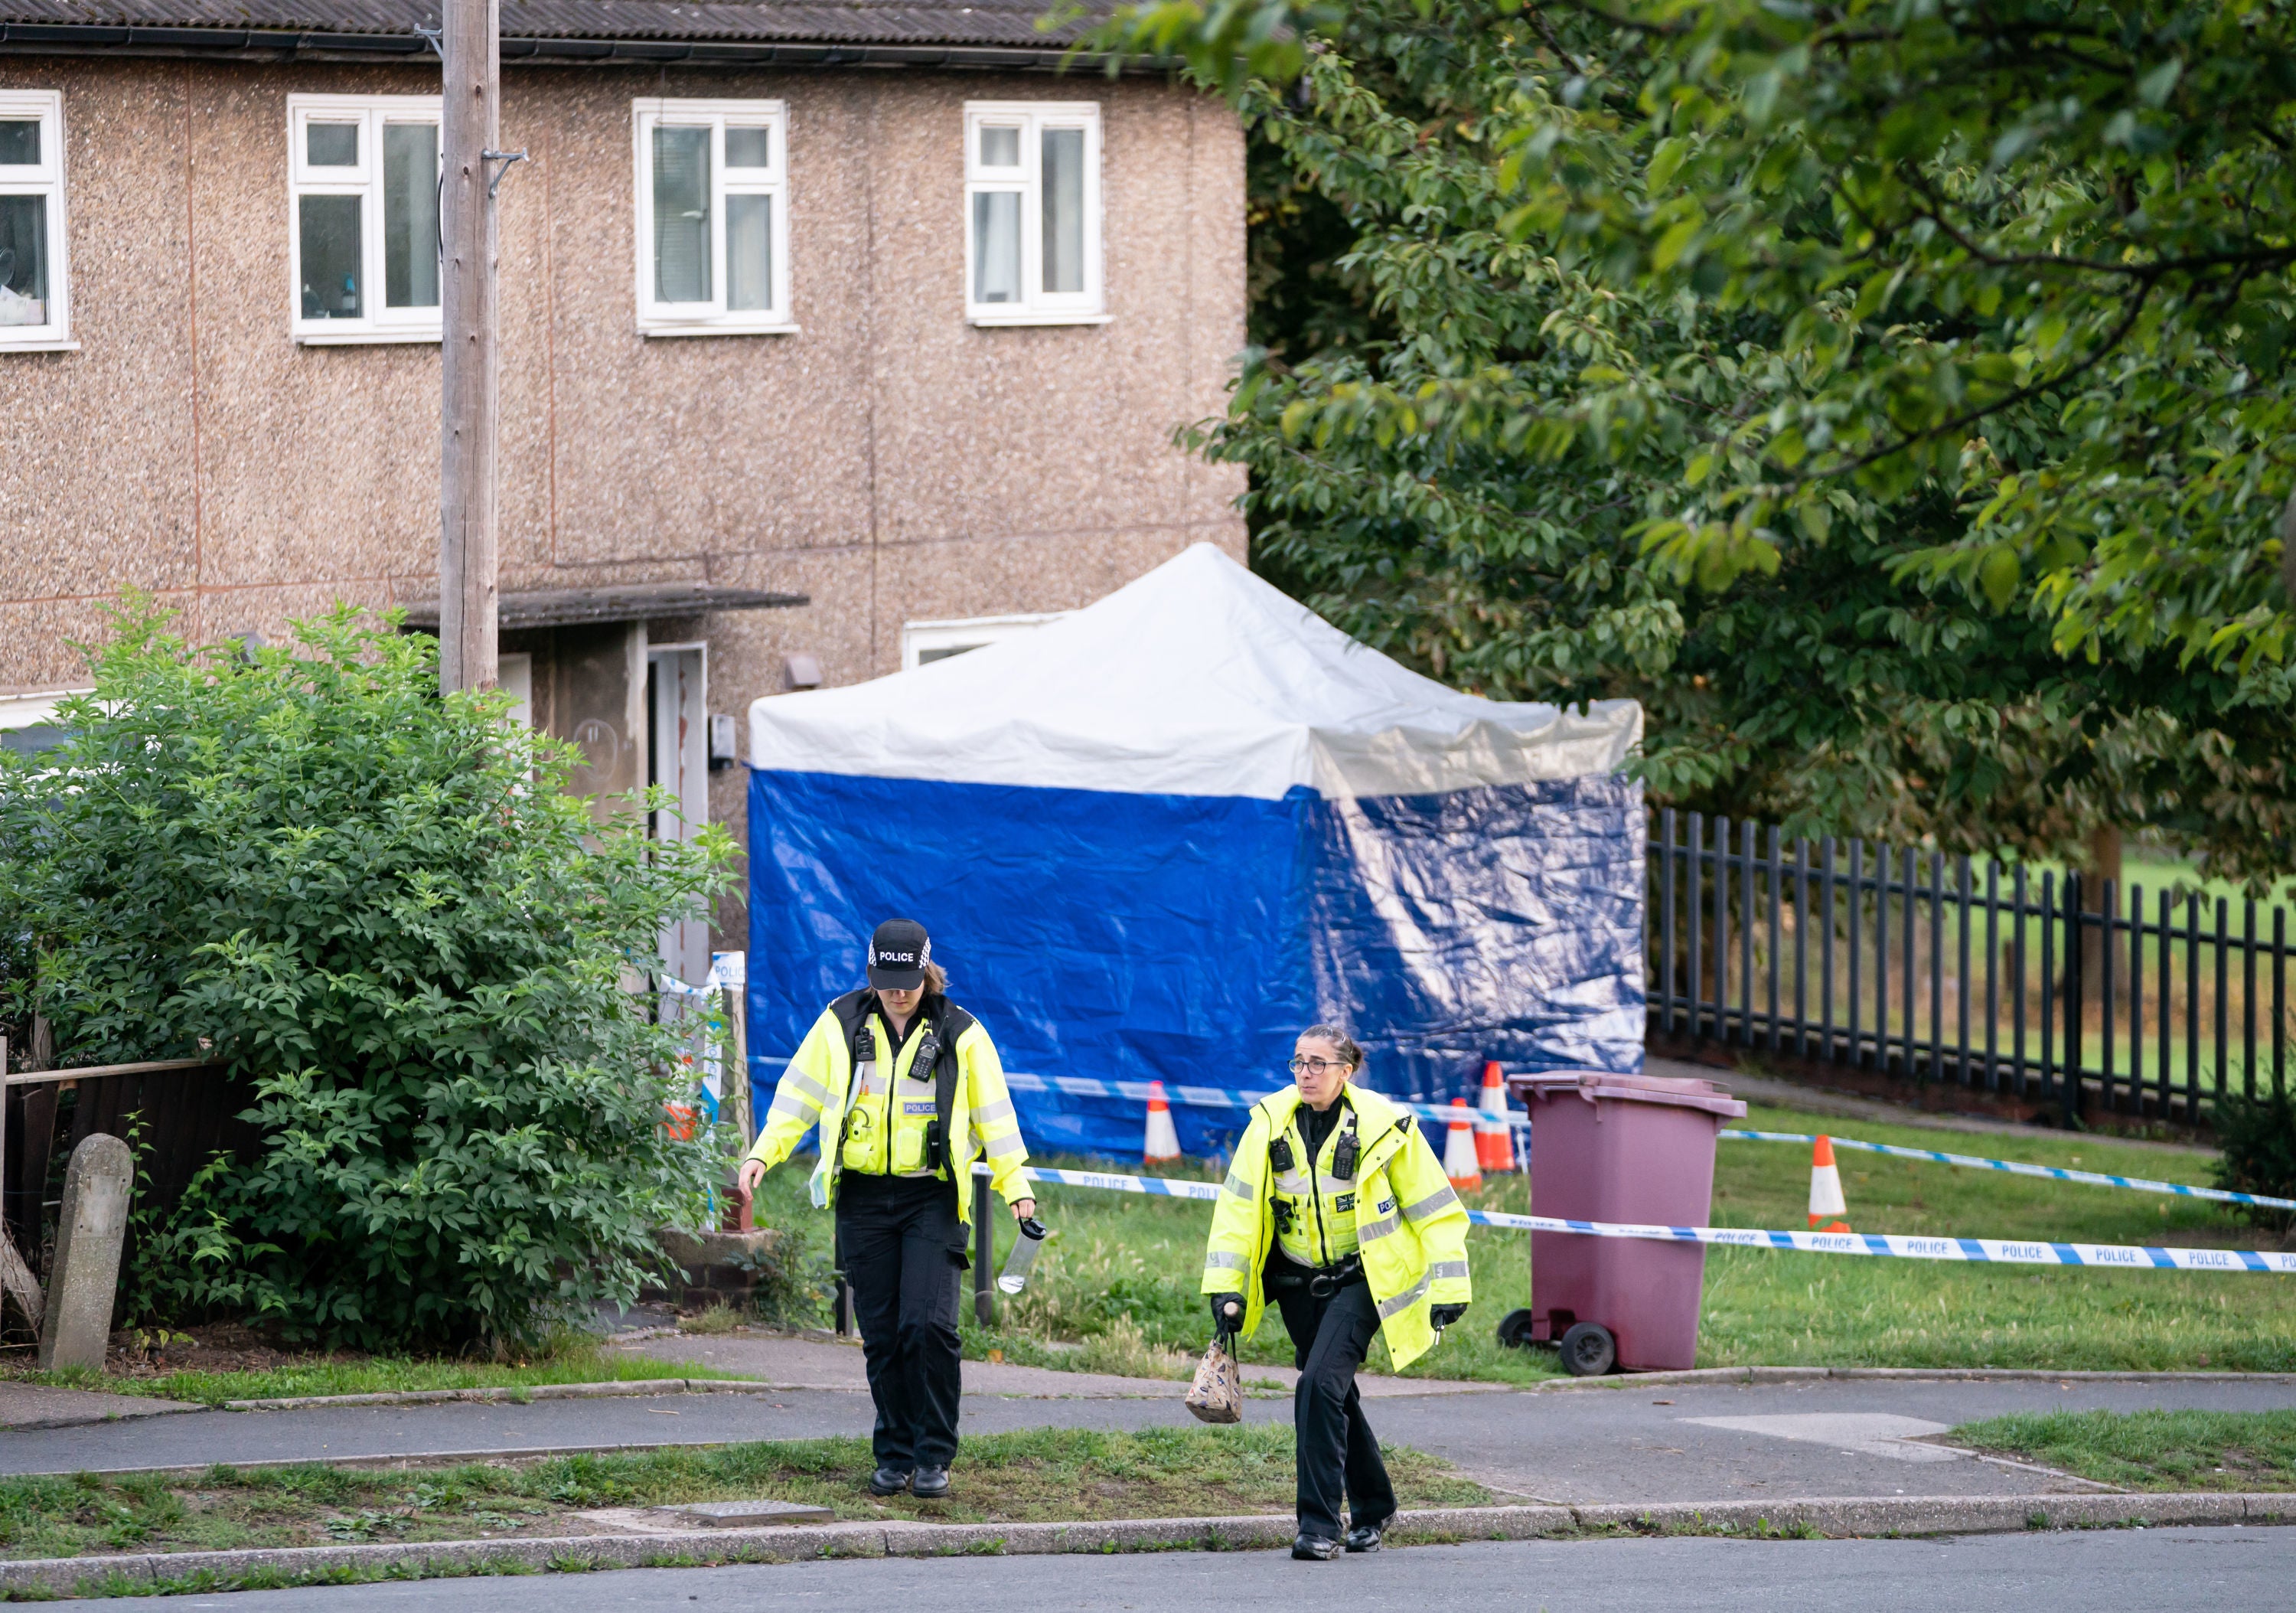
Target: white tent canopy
(1196,680)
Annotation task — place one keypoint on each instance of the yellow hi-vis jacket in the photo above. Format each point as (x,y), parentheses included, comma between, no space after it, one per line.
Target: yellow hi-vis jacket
(1400,1212)
(882,1120)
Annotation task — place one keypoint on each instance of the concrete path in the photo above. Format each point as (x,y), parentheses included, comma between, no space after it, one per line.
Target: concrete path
(1633,1443)
(820,1364)
(28,1406)
(2227,1570)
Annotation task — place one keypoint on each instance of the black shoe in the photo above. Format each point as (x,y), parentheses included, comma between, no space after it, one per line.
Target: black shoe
(1364,1537)
(931,1484)
(1315,1548)
(892,1481)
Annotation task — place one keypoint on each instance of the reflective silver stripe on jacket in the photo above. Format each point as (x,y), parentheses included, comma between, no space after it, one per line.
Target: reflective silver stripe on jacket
(1404,1301)
(1224,1260)
(1371,1231)
(1440,1200)
(793,1107)
(1001,1110)
(1442,1269)
(793,1081)
(1236,1185)
(1296,1183)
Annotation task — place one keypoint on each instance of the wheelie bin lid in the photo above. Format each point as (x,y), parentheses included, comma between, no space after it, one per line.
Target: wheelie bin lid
(1591,1084)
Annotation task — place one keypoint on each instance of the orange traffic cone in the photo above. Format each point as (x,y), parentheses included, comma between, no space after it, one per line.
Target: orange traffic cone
(1163,1140)
(1825,1186)
(1459,1162)
(1493,1137)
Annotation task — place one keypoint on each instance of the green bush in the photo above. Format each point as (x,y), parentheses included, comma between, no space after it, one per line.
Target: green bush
(2257,1137)
(382,909)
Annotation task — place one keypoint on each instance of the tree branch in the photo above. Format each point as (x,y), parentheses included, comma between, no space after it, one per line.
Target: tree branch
(2024,394)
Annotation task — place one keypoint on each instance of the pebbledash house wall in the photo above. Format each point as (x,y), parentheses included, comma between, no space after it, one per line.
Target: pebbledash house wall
(888,460)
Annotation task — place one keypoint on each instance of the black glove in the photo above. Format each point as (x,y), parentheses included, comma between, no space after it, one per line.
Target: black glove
(1222,1321)
(1443,1316)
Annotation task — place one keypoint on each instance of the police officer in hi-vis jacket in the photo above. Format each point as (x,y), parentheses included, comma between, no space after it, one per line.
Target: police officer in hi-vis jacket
(1338,1210)
(907,1090)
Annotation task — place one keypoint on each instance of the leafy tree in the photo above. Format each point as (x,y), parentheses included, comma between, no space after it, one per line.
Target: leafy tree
(381,909)
(2033,251)
(1505,447)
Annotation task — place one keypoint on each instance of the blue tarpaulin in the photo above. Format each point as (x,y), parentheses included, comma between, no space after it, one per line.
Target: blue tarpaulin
(1142,842)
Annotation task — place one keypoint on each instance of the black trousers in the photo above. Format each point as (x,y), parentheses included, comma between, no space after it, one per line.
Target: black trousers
(1336,1453)
(904,1248)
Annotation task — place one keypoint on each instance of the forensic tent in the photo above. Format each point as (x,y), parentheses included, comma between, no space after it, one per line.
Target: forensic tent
(1155,839)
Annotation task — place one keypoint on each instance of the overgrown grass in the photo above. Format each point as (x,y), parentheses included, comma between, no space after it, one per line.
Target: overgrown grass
(1043,1475)
(582,1362)
(2151,1450)
(1127,1259)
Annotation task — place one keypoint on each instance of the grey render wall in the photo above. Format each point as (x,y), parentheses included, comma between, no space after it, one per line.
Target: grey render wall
(888,460)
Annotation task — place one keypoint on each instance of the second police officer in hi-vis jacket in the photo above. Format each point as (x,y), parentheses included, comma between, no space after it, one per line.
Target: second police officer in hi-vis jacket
(907,1090)
(1338,1210)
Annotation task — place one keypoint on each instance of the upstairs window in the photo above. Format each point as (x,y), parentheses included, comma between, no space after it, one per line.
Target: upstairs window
(1032,213)
(712,218)
(34,310)
(362,173)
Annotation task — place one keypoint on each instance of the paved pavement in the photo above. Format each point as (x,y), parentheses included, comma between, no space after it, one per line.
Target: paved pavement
(29,1406)
(822,1364)
(2227,1570)
(1635,1443)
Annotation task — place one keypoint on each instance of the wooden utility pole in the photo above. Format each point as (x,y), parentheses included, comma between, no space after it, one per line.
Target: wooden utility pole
(469,130)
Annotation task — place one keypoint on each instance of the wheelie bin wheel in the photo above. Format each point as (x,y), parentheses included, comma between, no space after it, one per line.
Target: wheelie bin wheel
(1514,1330)
(1589,1350)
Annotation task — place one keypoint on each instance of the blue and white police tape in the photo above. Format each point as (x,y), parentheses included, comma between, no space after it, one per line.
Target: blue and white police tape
(2017,1167)
(1221,1097)
(1204,1098)
(1077,1086)
(1994,1251)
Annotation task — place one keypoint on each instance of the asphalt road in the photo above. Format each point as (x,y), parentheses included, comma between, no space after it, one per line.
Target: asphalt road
(2226,1571)
(1833,1437)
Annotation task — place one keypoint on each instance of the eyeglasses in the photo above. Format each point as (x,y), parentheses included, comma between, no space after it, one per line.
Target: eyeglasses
(1316,1067)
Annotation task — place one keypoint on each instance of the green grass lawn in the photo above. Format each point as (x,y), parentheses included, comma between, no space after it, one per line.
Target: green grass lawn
(1123,1274)
(2151,1450)
(1041,1475)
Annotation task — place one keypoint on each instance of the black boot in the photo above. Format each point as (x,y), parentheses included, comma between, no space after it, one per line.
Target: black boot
(1364,1537)
(931,1484)
(1315,1548)
(887,1481)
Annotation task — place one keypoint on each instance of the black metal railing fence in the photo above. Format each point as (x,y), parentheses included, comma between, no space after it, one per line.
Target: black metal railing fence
(1914,964)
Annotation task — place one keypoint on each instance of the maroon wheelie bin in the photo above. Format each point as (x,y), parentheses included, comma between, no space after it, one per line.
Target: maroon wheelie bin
(1635,1148)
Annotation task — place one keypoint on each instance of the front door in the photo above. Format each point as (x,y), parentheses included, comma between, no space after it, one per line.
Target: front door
(678,726)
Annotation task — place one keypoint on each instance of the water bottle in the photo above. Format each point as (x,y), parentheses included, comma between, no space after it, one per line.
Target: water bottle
(1014,1277)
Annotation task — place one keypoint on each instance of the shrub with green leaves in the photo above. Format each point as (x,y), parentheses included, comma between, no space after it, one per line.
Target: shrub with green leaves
(382,909)
(2257,1137)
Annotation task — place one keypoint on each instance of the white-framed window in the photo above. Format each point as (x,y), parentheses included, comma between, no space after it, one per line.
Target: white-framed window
(34,295)
(363,193)
(1032,213)
(922,643)
(712,218)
